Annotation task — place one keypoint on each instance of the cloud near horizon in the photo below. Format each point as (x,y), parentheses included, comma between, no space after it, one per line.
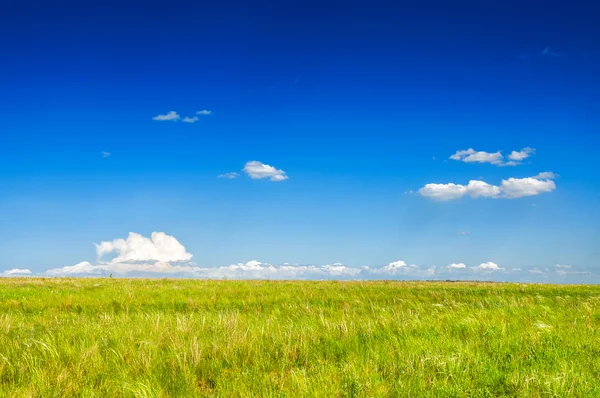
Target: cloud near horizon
(163,255)
(16,272)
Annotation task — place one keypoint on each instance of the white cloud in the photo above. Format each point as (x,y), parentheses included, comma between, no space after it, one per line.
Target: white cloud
(105,154)
(462,233)
(16,272)
(521,155)
(396,265)
(229,176)
(204,112)
(489,266)
(472,156)
(546,175)
(161,253)
(475,189)
(81,268)
(258,170)
(457,266)
(509,189)
(536,271)
(192,119)
(159,247)
(520,187)
(496,158)
(258,270)
(563,266)
(171,116)
(443,191)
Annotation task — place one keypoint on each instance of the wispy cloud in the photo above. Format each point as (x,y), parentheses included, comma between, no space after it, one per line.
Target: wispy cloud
(259,170)
(511,188)
(188,119)
(462,233)
(105,154)
(204,112)
(229,176)
(550,52)
(171,116)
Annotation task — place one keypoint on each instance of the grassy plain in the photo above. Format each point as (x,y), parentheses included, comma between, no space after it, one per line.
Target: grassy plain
(183,338)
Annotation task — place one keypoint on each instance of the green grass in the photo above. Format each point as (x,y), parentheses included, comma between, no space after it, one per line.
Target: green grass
(183,338)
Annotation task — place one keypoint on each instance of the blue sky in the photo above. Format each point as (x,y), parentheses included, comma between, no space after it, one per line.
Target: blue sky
(357,107)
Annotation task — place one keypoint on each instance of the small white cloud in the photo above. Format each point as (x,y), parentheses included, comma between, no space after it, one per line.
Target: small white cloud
(229,176)
(457,266)
(563,266)
(192,119)
(395,267)
(462,233)
(521,155)
(536,271)
(105,154)
(16,272)
(171,116)
(204,112)
(259,170)
(81,268)
(472,156)
(546,175)
(489,266)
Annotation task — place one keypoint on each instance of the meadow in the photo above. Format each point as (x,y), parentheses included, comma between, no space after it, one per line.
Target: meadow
(99,337)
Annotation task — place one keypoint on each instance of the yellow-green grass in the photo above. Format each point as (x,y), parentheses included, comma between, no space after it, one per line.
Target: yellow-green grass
(183,338)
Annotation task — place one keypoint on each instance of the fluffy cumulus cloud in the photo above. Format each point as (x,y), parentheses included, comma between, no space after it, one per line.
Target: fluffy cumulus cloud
(496,158)
(160,253)
(171,116)
(16,272)
(163,255)
(530,186)
(511,188)
(489,266)
(259,170)
(204,112)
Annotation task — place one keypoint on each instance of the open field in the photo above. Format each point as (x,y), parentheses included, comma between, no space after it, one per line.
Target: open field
(160,338)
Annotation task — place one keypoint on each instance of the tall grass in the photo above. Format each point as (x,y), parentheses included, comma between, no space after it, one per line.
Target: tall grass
(180,338)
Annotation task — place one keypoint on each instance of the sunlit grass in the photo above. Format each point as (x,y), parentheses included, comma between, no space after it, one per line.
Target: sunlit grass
(159,338)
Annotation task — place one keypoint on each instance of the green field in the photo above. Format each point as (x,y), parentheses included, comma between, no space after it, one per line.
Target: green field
(183,338)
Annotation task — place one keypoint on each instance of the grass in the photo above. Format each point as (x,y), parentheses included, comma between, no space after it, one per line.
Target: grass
(184,338)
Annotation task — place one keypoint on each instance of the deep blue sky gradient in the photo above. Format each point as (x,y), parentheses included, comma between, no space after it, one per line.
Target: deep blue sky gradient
(353,100)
